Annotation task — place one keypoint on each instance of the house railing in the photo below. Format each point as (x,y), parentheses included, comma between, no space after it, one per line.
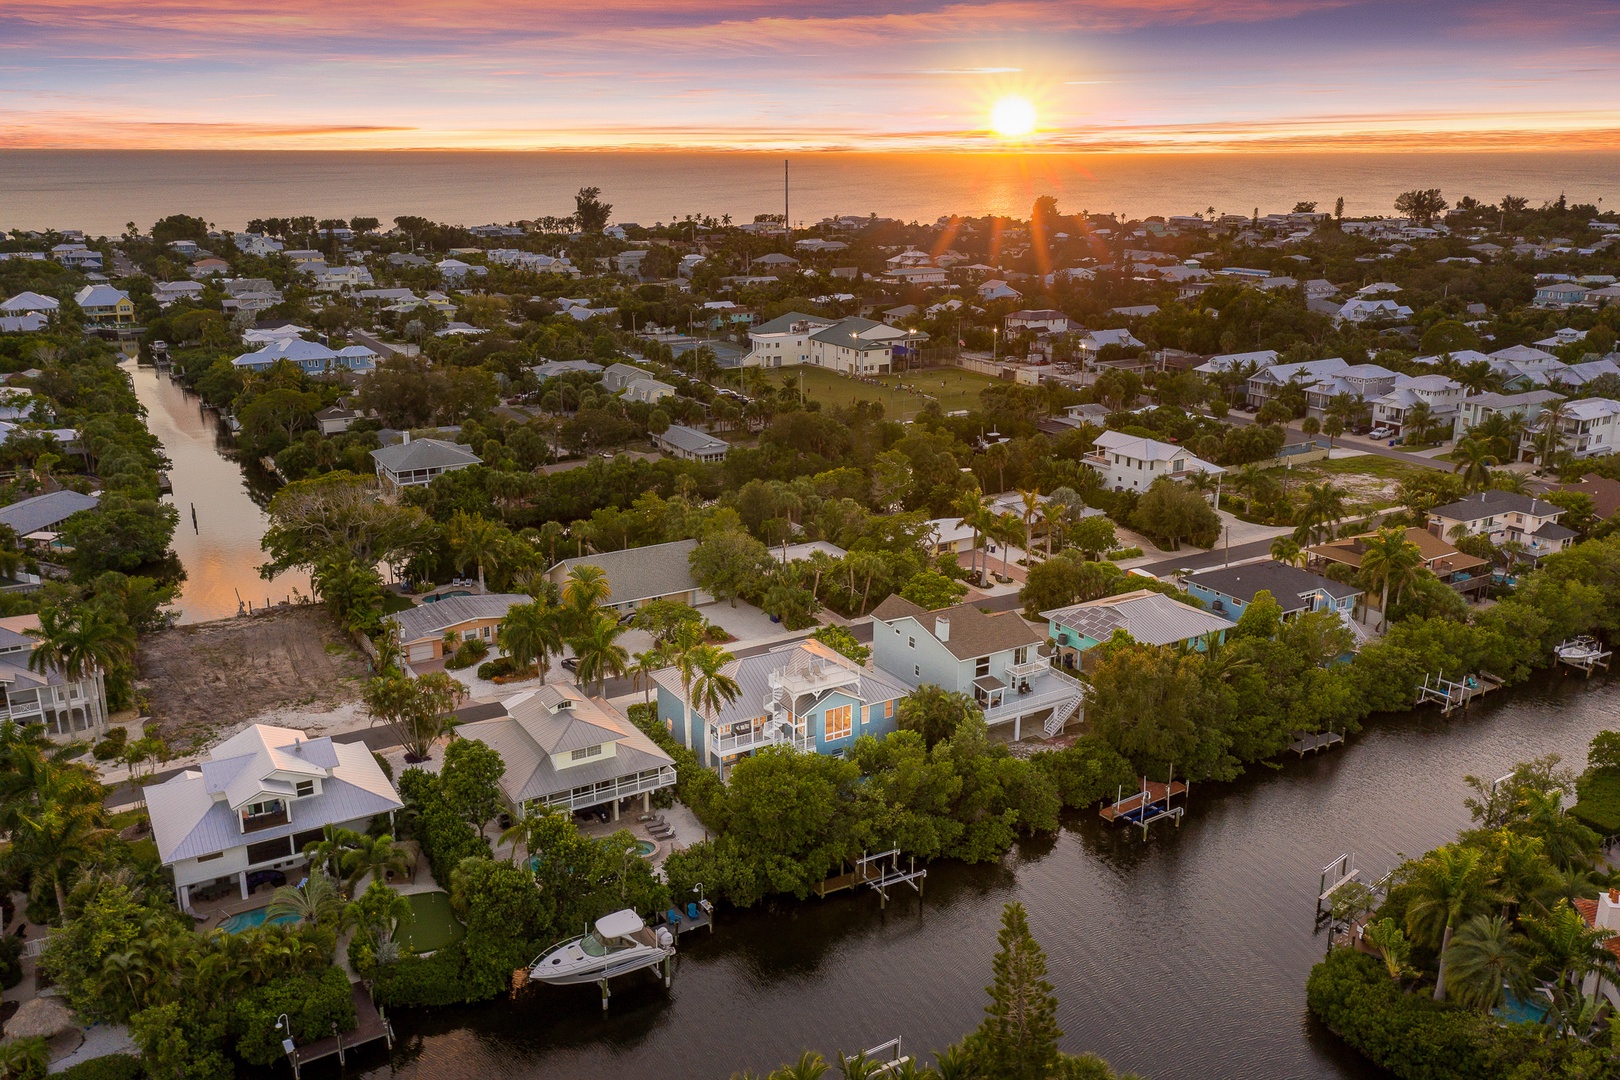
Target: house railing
(620,787)
(1027,668)
(768,733)
(1059,689)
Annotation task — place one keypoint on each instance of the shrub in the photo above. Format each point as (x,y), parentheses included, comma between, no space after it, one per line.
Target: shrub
(11,974)
(498,668)
(113,745)
(1125,553)
(417,981)
(111,1067)
(468,653)
(445,836)
(313,1004)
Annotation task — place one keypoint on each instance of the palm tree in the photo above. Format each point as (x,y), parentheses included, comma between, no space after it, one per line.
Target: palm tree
(1550,428)
(529,634)
(378,856)
(1284,549)
(1386,936)
(971,506)
(585,587)
(644,665)
(711,688)
(1420,419)
(1507,480)
(1448,885)
(475,539)
(1474,461)
(1390,561)
(57,836)
(867,564)
(1008,529)
(316,902)
(78,643)
(1486,958)
(598,651)
(1032,509)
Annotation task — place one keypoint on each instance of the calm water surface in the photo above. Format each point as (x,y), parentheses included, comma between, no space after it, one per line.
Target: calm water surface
(1184,957)
(220,547)
(100,190)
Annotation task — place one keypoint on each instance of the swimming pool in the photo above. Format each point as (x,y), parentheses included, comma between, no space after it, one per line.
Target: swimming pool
(1516,1010)
(252,920)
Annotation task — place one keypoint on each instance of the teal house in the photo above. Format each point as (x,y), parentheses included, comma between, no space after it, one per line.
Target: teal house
(1150,618)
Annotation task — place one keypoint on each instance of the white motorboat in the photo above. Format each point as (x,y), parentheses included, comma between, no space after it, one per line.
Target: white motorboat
(1580,650)
(620,943)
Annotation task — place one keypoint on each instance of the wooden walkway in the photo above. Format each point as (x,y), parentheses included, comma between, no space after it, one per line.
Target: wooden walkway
(863,874)
(1152,792)
(372,1026)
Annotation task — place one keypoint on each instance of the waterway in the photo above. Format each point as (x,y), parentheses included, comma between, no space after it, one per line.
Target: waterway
(1185,956)
(221,503)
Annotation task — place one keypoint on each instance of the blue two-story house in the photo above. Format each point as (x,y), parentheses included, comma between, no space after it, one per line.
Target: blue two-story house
(1228,591)
(804,695)
(312,357)
(994,659)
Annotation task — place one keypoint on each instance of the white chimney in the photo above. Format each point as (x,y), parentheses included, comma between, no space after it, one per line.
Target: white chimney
(942,628)
(406,440)
(1608,911)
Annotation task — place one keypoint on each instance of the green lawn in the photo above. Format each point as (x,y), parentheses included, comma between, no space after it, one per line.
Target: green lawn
(434,925)
(960,389)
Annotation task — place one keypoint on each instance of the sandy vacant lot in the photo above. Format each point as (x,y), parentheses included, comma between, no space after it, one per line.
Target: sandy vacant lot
(211,677)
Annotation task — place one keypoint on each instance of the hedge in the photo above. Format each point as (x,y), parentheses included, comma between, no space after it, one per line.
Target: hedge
(1597,805)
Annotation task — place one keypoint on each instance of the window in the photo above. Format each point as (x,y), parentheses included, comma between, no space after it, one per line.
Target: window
(260,809)
(916,671)
(1021,654)
(305,789)
(211,858)
(911,642)
(586,752)
(981,667)
(888,709)
(836,724)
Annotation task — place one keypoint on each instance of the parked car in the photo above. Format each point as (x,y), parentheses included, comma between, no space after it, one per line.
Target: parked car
(570,663)
(1380,433)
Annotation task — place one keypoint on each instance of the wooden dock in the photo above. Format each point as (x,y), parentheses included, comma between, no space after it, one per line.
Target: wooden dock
(1451,696)
(864,874)
(1152,793)
(881,871)
(373,1025)
(1310,744)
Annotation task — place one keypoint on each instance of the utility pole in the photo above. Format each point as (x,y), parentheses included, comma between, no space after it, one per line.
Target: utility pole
(787,227)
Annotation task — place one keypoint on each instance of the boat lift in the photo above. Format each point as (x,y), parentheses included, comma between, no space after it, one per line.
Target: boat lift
(1584,653)
(886,1059)
(1335,875)
(870,869)
(1455,695)
(1151,804)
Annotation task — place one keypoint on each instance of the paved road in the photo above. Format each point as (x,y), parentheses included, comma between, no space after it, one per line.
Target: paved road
(1353,442)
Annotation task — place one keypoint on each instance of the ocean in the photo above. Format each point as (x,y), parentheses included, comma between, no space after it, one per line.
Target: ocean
(98,191)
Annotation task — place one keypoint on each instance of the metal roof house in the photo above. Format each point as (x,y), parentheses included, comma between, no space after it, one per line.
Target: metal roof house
(803,695)
(1150,618)
(421,629)
(994,659)
(265,793)
(69,710)
(690,444)
(311,357)
(1504,516)
(44,511)
(638,576)
(566,751)
(412,463)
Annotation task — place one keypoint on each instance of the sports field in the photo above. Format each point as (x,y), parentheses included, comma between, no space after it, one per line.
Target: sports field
(903,396)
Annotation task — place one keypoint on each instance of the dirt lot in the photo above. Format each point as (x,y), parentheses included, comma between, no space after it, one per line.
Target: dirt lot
(211,677)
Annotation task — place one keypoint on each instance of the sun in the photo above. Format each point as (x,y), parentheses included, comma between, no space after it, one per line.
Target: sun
(1012,117)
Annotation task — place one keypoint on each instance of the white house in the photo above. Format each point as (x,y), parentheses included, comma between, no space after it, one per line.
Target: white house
(690,444)
(30,303)
(1590,428)
(1504,516)
(1041,321)
(263,795)
(1264,384)
(1363,382)
(856,346)
(996,289)
(1443,396)
(69,708)
(1132,463)
(784,341)
(1362,310)
(412,463)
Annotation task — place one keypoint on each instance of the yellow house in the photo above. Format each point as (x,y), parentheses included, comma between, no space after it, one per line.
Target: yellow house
(104,304)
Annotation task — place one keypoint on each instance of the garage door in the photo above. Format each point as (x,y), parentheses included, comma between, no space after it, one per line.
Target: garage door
(421,653)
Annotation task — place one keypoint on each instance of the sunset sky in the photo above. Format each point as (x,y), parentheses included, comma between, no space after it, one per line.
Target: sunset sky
(758,74)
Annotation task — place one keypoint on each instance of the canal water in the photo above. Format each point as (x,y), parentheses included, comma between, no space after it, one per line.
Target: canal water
(221,503)
(1185,956)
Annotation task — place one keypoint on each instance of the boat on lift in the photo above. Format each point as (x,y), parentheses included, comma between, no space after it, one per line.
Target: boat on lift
(619,944)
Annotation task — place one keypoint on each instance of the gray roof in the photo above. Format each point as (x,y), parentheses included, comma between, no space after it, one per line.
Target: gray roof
(196,812)
(1149,617)
(432,620)
(1491,502)
(783,324)
(424,454)
(1288,585)
(562,367)
(555,719)
(847,334)
(43,511)
(753,680)
(972,632)
(642,573)
(692,440)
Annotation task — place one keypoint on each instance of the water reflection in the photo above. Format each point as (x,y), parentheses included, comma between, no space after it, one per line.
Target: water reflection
(221,505)
(1184,956)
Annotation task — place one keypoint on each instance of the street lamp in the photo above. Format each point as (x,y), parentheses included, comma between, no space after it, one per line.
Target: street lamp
(283,1024)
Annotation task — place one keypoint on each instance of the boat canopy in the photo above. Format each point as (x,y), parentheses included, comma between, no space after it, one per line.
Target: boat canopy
(619,924)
